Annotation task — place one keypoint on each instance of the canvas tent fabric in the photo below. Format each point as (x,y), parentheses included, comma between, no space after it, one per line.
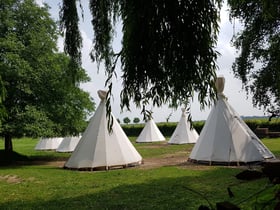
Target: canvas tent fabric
(68,144)
(183,133)
(48,143)
(150,133)
(225,137)
(100,149)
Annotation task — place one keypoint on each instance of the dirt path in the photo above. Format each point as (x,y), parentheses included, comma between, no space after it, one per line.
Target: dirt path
(177,159)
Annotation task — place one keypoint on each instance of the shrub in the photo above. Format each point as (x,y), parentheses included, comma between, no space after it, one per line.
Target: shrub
(167,128)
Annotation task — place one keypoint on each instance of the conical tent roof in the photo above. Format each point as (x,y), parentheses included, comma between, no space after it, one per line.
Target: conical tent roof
(225,137)
(68,144)
(101,149)
(183,134)
(48,143)
(150,133)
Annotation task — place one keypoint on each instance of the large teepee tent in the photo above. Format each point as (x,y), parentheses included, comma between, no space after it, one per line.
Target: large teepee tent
(101,149)
(48,143)
(150,133)
(183,133)
(225,137)
(68,144)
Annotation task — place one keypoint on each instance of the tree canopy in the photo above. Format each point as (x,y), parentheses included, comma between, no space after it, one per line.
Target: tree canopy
(136,120)
(258,65)
(40,97)
(126,120)
(168,47)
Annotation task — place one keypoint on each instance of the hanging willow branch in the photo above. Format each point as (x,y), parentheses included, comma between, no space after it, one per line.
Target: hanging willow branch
(69,25)
(168,48)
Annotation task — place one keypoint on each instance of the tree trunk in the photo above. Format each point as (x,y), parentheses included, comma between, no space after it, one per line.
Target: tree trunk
(8,143)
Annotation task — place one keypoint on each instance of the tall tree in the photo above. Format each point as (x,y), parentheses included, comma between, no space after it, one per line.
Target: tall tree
(258,65)
(167,47)
(136,120)
(40,97)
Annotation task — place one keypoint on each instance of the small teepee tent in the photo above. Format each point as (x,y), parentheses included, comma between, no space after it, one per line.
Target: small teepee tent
(101,149)
(68,144)
(225,137)
(48,143)
(183,134)
(150,133)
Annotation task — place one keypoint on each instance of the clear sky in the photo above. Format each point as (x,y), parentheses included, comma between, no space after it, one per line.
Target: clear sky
(233,87)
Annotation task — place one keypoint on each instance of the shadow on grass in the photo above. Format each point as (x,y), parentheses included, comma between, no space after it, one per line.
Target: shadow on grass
(16,159)
(164,193)
(10,158)
(157,194)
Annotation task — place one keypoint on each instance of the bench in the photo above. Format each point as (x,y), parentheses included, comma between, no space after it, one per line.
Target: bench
(262,132)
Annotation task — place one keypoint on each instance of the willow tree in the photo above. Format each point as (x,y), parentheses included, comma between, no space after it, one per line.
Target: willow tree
(168,47)
(258,65)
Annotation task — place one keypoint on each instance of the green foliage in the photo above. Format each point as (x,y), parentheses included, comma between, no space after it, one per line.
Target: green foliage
(126,120)
(168,48)
(40,97)
(133,129)
(136,120)
(34,122)
(258,63)
(273,125)
(198,125)
(168,128)
(73,40)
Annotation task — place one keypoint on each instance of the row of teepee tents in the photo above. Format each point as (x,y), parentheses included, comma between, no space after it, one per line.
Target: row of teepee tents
(48,143)
(225,138)
(183,134)
(59,144)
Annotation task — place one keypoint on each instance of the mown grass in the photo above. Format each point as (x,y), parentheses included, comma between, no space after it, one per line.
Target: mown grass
(25,146)
(157,149)
(166,187)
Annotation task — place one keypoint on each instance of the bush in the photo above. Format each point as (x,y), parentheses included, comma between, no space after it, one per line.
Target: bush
(136,120)
(167,128)
(126,120)
(272,125)
(133,129)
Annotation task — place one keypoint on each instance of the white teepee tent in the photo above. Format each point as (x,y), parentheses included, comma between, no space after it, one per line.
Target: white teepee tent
(48,143)
(150,133)
(101,149)
(68,144)
(225,137)
(183,134)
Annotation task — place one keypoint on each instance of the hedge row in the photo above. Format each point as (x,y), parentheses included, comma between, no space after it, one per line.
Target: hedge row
(168,128)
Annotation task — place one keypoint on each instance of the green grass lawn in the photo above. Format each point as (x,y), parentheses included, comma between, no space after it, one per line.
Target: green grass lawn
(166,187)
